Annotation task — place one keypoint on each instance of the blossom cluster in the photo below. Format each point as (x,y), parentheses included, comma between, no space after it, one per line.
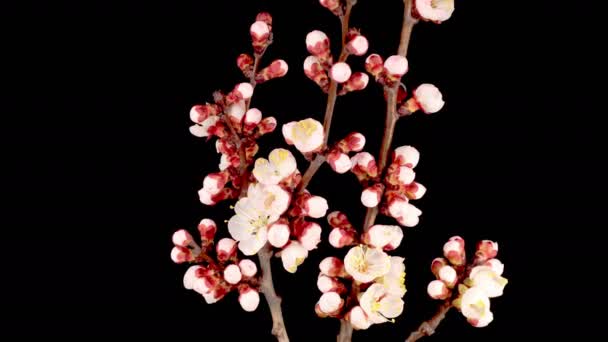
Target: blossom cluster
(468,287)
(217,270)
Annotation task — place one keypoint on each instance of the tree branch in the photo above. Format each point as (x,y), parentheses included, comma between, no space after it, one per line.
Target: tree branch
(428,328)
(391,108)
(273,300)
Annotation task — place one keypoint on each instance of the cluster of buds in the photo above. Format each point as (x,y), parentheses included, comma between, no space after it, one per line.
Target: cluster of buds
(394,192)
(338,156)
(469,288)
(367,288)
(273,212)
(320,66)
(237,126)
(436,11)
(426,97)
(216,271)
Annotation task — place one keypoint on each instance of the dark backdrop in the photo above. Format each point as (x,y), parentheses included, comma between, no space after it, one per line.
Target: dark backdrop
(103,168)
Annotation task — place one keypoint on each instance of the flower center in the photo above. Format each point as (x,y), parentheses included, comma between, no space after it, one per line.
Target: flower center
(479,307)
(260,222)
(307,127)
(375,306)
(360,264)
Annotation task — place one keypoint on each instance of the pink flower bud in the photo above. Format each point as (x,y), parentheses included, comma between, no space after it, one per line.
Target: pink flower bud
(214,182)
(406,156)
(265,17)
(206,197)
(332,267)
(406,175)
(315,71)
(437,264)
(245,90)
(200,113)
(252,118)
(232,274)
(486,249)
(182,238)
(338,219)
(236,111)
(448,275)
(260,32)
(181,254)
(374,65)
(354,142)
(245,64)
(308,234)
(415,191)
(212,126)
(358,318)
(358,81)
(428,98)
(453,250)
(190,276)
(317,44)
(332,5)
(248,268)
(267,125)
(438,290)
(315,207)
(357,46)
(207,229)
(293,255)
(226,249)
(340,72)
(338,161)
(496,265)
(249,298)
(396,66)
(278,234)
(277,68)
(340,237)
(330,303)
(329,284)
(364,166)
(371,196)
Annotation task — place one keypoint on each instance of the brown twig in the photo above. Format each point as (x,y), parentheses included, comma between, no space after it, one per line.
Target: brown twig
(391,108)
(427,328)
(273,300)
(332,95)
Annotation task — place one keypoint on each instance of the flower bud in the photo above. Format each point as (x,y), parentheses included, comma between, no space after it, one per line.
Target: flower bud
(438,290)
(190,276)
(332,5)
(200,113)
(249,298)
(317,44)
(338,161)
(340,237)
(357,45)
(293,256)
(248,268)
(252,118)
(374,65)
(358,81)
(330,303)
(383,236)
(267,125)
(265,17)
(260,32)
(332,267)
(329,284)
(437,264)
(358,318)
(340,72)
(181,254)
(353,142)
(428,98)
(277,68)
(496,265)
(310,235)
(244,90)
(448,275)
(338,219)
(225,249)
(486,249)
(415,191)
(182,238)
(245,64)
(278,234)
(207,229)
(406,156)
(453,250)
(396,66)
(371,196)
(232,274)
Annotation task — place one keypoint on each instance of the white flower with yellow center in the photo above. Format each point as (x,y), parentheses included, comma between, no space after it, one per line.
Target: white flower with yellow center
(379,305)
(365,264)
(307,135)
(475,306)
(488,280)
(254,213)
(394,280)
(280,164)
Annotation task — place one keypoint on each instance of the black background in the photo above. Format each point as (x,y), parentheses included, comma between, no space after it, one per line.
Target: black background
(101,167)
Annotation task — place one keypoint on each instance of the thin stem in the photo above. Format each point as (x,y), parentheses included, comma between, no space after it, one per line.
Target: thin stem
(332,94)
(391,108)
(273,300)
(428,328)
(346,331)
